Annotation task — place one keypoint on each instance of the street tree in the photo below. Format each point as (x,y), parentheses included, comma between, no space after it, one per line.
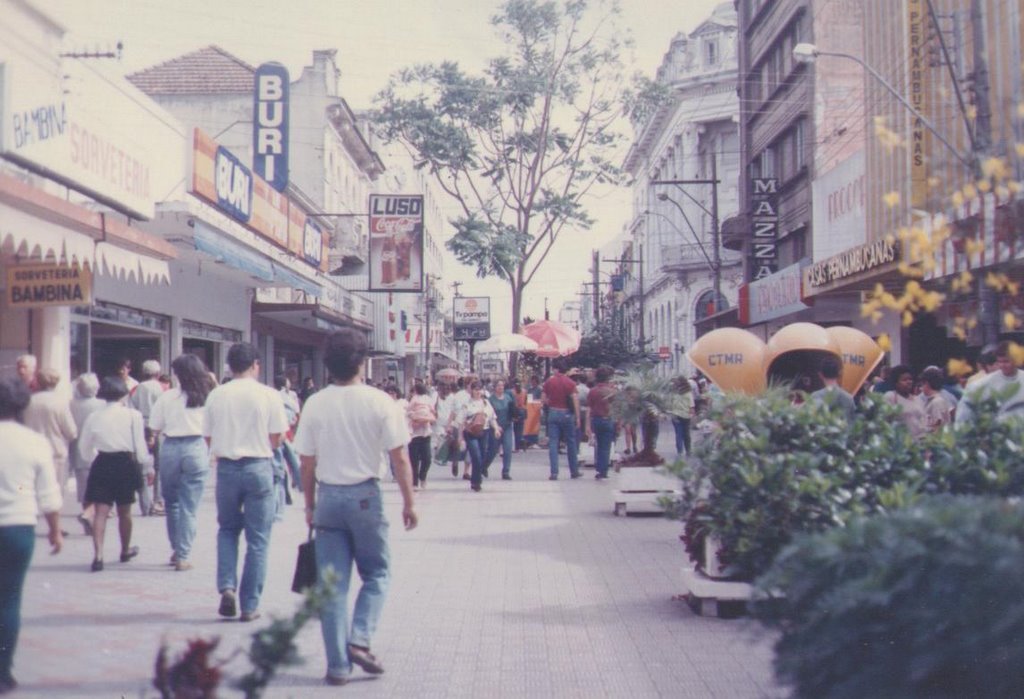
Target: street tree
(519,146)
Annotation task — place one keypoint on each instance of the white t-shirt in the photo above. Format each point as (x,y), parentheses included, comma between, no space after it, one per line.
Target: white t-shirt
(349,429)
(170,415)
(145,396)
(240,417)
(425,429)
(28,482)
(113,429)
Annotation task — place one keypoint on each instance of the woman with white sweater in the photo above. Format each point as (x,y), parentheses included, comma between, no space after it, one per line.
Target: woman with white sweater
(114,442)
(28,487)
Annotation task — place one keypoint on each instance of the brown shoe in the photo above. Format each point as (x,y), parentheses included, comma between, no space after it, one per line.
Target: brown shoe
(249,616)
(335,681)
(365,659)
(182,565)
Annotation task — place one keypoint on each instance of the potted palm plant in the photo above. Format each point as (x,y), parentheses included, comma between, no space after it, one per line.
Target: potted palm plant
(644,398)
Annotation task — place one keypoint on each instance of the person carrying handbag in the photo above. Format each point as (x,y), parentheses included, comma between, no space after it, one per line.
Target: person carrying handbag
(114,441)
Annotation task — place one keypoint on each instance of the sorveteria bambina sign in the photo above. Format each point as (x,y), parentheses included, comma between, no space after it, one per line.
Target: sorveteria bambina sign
(30,286)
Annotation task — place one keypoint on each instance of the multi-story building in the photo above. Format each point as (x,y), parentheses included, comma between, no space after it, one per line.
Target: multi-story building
(688,140)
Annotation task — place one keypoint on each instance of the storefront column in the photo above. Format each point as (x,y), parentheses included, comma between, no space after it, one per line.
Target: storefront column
(52,338)
(267,350)
(175,344)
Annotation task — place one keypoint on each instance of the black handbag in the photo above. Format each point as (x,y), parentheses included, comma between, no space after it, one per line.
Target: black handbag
(305,566)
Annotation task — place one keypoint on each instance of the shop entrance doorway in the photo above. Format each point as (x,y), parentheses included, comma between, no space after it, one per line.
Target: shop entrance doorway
(111,344)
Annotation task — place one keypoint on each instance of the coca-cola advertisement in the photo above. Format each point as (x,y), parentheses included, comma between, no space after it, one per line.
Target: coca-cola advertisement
(396,242)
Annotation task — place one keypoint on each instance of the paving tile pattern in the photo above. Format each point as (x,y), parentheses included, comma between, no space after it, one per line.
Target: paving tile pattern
(530,588)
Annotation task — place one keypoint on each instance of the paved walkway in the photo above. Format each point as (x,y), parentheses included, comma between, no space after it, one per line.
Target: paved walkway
(529,589)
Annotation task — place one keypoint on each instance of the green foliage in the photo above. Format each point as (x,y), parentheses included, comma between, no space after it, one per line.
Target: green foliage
(981,457)
(774,469)
(924,602)
(605,345)
(644,395)
(195,675)
(520,145)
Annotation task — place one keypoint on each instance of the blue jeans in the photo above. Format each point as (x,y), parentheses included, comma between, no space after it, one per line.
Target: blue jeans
(245,500)
(507,443)
(477,448)
(682,429)
(16,545)
(184,465)
(604,435)
(351,527)
(562,425)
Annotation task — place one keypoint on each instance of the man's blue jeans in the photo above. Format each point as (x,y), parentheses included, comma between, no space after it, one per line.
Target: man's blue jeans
(682,430)
(507,443)
(562,425)
(351,528)
(604,435)
(245,500)
(16,545)
(477,448)
(184,465)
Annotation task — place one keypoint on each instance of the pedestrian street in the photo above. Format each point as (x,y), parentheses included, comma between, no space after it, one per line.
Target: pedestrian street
(530,588)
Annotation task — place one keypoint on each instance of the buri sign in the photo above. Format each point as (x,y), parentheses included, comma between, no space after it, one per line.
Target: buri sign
(32,286)
(472,318)
(396,243)
(270,125)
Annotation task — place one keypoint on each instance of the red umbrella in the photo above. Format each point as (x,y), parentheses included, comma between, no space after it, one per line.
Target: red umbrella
(553,339)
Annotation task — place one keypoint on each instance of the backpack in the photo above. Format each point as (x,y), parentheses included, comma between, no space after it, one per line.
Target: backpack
(477,424)
(420,414)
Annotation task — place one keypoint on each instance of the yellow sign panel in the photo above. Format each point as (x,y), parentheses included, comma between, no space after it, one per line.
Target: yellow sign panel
(31,286)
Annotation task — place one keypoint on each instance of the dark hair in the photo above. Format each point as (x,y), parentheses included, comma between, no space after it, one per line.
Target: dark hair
(392,390)
(603,373)
(195,380)
(934,377)
(1002,350)
(14,397)
(560,363)
(830,367)
(122,362)
(241,357)
(345,353)
(476,385)
(280,381)
(898,371)
(112,388)
(419,389)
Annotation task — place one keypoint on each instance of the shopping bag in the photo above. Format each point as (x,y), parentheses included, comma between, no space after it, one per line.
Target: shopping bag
(443,452)
(305,566)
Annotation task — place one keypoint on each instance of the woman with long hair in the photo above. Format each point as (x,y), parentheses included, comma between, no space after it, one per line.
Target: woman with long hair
(184,458)
(474,419)
(114,441)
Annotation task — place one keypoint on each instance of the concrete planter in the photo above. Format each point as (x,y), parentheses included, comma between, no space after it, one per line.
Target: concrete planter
(639,489)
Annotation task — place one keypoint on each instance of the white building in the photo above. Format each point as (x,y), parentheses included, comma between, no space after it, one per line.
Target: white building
(689,136)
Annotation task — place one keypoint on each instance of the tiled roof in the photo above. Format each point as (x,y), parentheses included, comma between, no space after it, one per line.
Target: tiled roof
(208,70)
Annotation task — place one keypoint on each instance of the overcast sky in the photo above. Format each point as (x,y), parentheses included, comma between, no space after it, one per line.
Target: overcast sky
(374,39)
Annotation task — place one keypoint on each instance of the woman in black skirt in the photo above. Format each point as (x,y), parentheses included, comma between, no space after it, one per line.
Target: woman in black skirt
(113,440)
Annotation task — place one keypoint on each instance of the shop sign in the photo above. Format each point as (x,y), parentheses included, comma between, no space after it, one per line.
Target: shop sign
(32,286)
(765,219)
(396,243)
(233,185)
(775,296)
(664,353)
(839,202)
(270,125)
(94,153)
(918,31)
(824,275)
(312,243)
(472,317)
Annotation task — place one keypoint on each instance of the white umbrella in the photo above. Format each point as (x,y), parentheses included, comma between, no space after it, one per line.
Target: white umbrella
(507,342)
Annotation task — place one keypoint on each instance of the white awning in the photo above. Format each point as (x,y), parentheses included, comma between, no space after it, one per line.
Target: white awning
(119,262)
(24,234)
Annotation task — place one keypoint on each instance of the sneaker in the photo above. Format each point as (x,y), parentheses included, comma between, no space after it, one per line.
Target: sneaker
(335,681)
(365,659)
(129,553)
(228,604)
(506,477)
(182,566)
(476,487)
(250,616)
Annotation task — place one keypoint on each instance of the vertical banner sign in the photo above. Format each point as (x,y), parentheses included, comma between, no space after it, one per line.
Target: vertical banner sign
(270,125)
(472,318)
(917,38)
(396,243)
(765,219)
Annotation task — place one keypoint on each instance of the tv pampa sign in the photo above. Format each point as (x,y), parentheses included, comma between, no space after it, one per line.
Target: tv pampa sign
(472,318)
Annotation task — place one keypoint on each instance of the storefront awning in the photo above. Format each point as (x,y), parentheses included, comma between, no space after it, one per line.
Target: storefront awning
(225,251)
(294,280)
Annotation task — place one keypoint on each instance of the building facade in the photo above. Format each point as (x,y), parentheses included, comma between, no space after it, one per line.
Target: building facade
(669,264)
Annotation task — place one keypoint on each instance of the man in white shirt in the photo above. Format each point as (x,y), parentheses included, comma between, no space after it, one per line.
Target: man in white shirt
(347,431)
(459,401)
(243,425)
(1006,383)
(142,399)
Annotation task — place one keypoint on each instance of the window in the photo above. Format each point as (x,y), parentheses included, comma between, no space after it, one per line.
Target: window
(799,146)
(711,52)
(768,163)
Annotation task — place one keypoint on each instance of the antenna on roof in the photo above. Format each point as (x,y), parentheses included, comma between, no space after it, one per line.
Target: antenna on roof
(97,53)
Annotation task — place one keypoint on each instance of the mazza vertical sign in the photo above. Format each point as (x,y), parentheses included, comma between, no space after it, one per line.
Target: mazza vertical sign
(765,219)
(396,242)
(270,125)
